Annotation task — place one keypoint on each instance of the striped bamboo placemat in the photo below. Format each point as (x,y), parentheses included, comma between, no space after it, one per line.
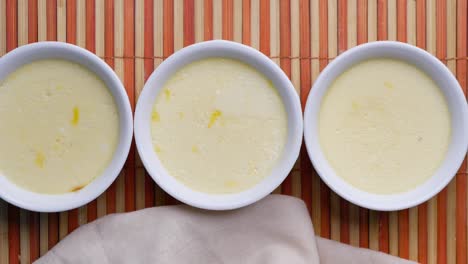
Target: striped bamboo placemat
(302,36)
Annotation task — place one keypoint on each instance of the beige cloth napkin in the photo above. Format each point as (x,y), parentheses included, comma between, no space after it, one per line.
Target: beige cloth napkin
(275,230)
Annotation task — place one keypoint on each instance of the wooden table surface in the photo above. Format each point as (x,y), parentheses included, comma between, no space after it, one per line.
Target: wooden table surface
(302,36)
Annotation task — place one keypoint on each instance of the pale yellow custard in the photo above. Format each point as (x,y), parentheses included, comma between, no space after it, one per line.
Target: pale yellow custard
(59,126)
(384,126)
(218,126)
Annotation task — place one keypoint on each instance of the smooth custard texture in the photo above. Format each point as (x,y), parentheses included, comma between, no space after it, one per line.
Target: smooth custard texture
(59,126)
(218,126)
(384,126)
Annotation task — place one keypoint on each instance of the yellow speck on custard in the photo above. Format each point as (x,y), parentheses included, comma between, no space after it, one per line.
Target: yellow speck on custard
(167,94)
(181,115)
(389,85)
(77,188)
(214,116)
(231,183)
(355,105)
(76,116)
(157,149)
(40,159)
(155,116)
(59,87)
(195,149)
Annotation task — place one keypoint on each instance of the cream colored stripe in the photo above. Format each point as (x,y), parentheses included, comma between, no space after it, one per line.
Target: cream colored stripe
(392,19)
(43,233)
(353,225)
(81,41)
(372,36)
(62,36)
(199,21)
(413,212)
(41,20)
(393,216)
(351,42)
(373,230)
(81,23)
(432,205)
(3,204)
(275,31)
(238,21)
(352,23)
(158,31)
(158,52)
(295,79)
(22,23)
(119,69)
(393,232)
(315,39)
(451,213)
(275,42)
(139,81)
(24,236)
(178,24)
(99,27)
(255,24)
(333,52)
(217,19)
(62,20)
(372,20)
(451,192)
(411,22)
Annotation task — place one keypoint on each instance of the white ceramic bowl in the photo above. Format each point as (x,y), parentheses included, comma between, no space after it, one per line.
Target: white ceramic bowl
(458,113)
(153,87)
(61,202)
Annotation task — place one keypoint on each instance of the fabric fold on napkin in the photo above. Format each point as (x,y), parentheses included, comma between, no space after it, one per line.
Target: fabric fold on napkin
(274,230)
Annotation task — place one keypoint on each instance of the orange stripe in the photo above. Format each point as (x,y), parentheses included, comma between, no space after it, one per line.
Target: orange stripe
(384,232)
(51,20)
(208,14)
(109,54)
(342,46)
(33,216)
(148,69)
(362,21)
(11,24)
(285,62)
(441,51)
(91,46)
(461,64)
(403,216)
(189,22)
(265,27)
(461,218)
(228,19)
(403,233)
(324,190)
(71,38)
(53,220)
(306,166)
(32,21)
(422,208)
(382,32)
(129,83)
(401,20)
(13,232)
(245,22)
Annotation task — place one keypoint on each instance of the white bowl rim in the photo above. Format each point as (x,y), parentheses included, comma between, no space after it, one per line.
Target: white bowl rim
(218,48)
(453,94)
(61,202)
